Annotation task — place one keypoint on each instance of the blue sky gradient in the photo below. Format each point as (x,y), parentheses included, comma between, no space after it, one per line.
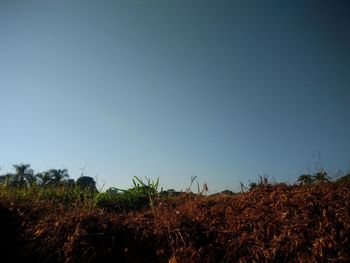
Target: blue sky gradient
(224,90)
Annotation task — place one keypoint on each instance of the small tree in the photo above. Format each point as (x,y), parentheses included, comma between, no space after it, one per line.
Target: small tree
(321,177)
(305,179)
(86,183)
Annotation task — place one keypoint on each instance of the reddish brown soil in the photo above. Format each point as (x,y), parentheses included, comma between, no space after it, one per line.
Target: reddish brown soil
(269,224)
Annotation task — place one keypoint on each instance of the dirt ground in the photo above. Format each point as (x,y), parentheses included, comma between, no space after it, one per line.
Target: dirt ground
(277,223)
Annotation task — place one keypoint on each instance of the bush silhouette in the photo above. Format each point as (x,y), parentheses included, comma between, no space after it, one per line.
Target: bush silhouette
(86,183)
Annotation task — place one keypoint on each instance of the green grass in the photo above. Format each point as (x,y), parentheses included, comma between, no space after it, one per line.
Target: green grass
(68,196)
(142,194)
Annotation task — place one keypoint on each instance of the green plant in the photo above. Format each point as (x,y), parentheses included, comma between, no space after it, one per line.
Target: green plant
(150,188)
(65,195)
(142,194)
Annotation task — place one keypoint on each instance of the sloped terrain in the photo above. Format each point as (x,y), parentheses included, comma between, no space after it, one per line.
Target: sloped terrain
(277,223)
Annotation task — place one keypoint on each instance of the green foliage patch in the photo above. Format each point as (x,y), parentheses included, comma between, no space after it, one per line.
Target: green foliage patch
(141,195)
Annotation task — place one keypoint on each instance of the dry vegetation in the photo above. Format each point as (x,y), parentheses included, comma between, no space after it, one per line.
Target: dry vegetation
(277,223)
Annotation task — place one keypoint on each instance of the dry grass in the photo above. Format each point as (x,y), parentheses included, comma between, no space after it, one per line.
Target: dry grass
(269,224)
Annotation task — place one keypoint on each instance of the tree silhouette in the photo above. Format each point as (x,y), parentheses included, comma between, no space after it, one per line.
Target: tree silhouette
(305,179)
(86,183)
(24,176)
(44,178)
(53,177)
(321,177)
(57,176)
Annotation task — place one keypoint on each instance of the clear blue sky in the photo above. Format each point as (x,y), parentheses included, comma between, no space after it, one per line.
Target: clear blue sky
(224,90)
